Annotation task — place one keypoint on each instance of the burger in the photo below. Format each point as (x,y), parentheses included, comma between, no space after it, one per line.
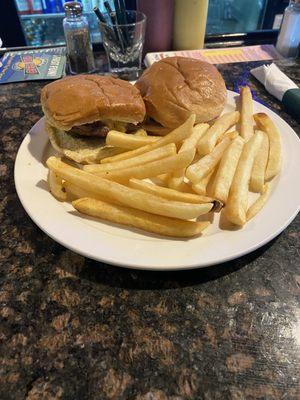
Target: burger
(81,110)
(176,87)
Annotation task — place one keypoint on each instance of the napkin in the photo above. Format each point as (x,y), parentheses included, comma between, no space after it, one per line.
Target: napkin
(280,86)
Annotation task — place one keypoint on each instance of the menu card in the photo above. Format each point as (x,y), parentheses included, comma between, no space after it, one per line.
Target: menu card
(221,55)
(30,65)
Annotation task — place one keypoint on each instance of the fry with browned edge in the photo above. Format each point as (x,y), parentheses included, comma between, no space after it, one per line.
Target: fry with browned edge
(125,195)
(56,186)
(139,219)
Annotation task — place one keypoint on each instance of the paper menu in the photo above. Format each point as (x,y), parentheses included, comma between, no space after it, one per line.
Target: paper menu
(221,55)
(28,65)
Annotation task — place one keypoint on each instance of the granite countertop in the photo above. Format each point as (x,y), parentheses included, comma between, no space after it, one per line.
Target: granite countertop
(73,328)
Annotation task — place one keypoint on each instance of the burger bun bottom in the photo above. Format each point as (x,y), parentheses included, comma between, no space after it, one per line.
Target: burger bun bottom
(83,150)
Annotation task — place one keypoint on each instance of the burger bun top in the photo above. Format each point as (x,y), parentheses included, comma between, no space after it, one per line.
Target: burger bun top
(176,87)
(84,99)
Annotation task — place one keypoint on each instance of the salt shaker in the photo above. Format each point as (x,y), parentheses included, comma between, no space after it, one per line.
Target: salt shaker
(79,46)
(289,35)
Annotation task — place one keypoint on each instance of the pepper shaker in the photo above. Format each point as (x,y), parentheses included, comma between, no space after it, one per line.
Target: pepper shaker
(79,46)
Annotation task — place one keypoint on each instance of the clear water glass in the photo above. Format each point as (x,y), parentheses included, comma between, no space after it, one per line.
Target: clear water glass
(123,44)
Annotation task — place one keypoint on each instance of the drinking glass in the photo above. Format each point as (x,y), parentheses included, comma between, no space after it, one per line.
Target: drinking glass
(123,44)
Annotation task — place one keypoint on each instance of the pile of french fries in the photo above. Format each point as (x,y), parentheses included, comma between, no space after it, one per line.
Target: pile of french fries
(164,184)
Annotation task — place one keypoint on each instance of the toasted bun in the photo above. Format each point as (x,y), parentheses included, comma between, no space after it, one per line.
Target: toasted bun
(84,99)
(176,87)
(80,149)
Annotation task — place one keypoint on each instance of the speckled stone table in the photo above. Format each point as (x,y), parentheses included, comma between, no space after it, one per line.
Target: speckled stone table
(72,328)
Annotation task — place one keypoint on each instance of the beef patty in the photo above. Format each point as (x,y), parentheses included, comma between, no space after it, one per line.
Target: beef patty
(97,128)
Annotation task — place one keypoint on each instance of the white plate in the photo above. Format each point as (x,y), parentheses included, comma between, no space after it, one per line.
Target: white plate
(134,249)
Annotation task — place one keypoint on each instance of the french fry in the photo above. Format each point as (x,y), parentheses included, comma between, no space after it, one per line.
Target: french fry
(226,170)
(264,123)
(222,124)
(231,134)
(237,202)
(186,187)
(201,186)
(168,193)
(246,121)
(175,136)
(153,155)
(176,179)
(56,186)
(141,132)
(161,180)
(201,168)
(125,195)
(75,192)
(259,203)
(151,169)
(257,180)
(139,219)
(128,141)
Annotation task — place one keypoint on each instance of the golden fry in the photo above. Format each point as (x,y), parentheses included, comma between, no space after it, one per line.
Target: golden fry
(56,186)
(222,124)
(153,155)
(140,132)
(175,136)
(257,180)
(246,122)
(125,195)
(237,202)
(259,203)
(139,219)
(128,141)
(201,168)
(226,170)
(76,192)
(264,123)
(151,169)
(176,179)
(201,186)
(168,193)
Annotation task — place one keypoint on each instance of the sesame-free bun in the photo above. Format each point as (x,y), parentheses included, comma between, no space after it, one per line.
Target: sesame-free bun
(176,87)
(82,150)
(84,99)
